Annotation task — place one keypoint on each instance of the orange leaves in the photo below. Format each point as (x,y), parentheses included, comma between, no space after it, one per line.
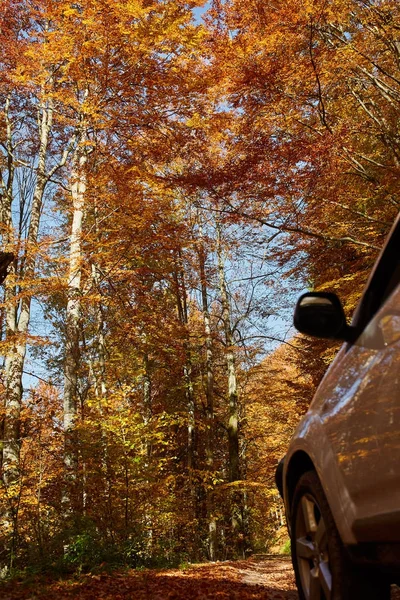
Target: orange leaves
(282,115)
(312,146)
(244,580)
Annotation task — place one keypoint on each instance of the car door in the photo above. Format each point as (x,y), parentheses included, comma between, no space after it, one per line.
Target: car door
(361,418)
(359,404)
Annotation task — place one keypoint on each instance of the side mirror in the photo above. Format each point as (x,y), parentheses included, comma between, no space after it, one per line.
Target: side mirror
(320,314)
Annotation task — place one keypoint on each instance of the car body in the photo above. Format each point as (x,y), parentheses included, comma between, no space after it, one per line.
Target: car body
(341,475)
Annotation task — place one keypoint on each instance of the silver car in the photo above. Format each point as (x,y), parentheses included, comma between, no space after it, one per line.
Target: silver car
(340,478)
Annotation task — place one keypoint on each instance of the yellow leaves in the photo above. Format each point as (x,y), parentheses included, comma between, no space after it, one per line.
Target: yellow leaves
(71,11)
(195,121)
(135,8)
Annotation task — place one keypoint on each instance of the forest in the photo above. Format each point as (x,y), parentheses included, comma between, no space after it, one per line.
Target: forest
(173,174)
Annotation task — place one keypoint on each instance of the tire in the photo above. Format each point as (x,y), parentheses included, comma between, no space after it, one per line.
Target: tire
(321,564)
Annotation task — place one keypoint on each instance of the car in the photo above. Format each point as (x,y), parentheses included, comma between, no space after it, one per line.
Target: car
(340,477)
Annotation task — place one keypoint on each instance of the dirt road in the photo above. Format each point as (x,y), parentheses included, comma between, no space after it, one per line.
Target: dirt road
(254,579)
(267,579)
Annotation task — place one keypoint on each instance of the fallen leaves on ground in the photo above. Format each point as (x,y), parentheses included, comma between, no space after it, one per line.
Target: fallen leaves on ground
(268,579)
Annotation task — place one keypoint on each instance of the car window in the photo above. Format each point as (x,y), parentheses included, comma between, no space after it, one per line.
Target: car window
(385,277)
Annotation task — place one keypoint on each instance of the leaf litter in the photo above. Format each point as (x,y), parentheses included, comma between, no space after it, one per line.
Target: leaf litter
(253,579)
(268,579)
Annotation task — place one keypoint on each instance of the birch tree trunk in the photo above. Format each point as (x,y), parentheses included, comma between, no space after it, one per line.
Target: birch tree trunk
(18,312)
(72,350)
(22,239)
(7,235)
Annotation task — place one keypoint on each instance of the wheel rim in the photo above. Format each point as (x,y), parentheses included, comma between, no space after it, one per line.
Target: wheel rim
(312,550)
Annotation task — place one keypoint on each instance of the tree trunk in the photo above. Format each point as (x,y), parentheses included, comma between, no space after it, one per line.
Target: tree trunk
(209,442)
(233,428)
(147,403)
(237,497)
(99,369)
(98,376)
(18,312)
(187,367)
(72,350)
(147,414)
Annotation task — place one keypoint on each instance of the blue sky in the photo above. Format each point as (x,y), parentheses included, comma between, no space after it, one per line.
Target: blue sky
(199,11)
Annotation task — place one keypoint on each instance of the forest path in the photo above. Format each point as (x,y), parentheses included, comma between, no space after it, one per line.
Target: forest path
(267,578)
(252,579)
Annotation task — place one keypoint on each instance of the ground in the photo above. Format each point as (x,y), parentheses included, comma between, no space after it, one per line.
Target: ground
(254,579)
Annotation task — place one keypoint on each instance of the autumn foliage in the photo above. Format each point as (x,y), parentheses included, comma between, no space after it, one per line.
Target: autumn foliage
(168,184)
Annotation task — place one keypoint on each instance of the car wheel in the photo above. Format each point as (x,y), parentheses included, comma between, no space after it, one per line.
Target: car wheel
(322,566)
